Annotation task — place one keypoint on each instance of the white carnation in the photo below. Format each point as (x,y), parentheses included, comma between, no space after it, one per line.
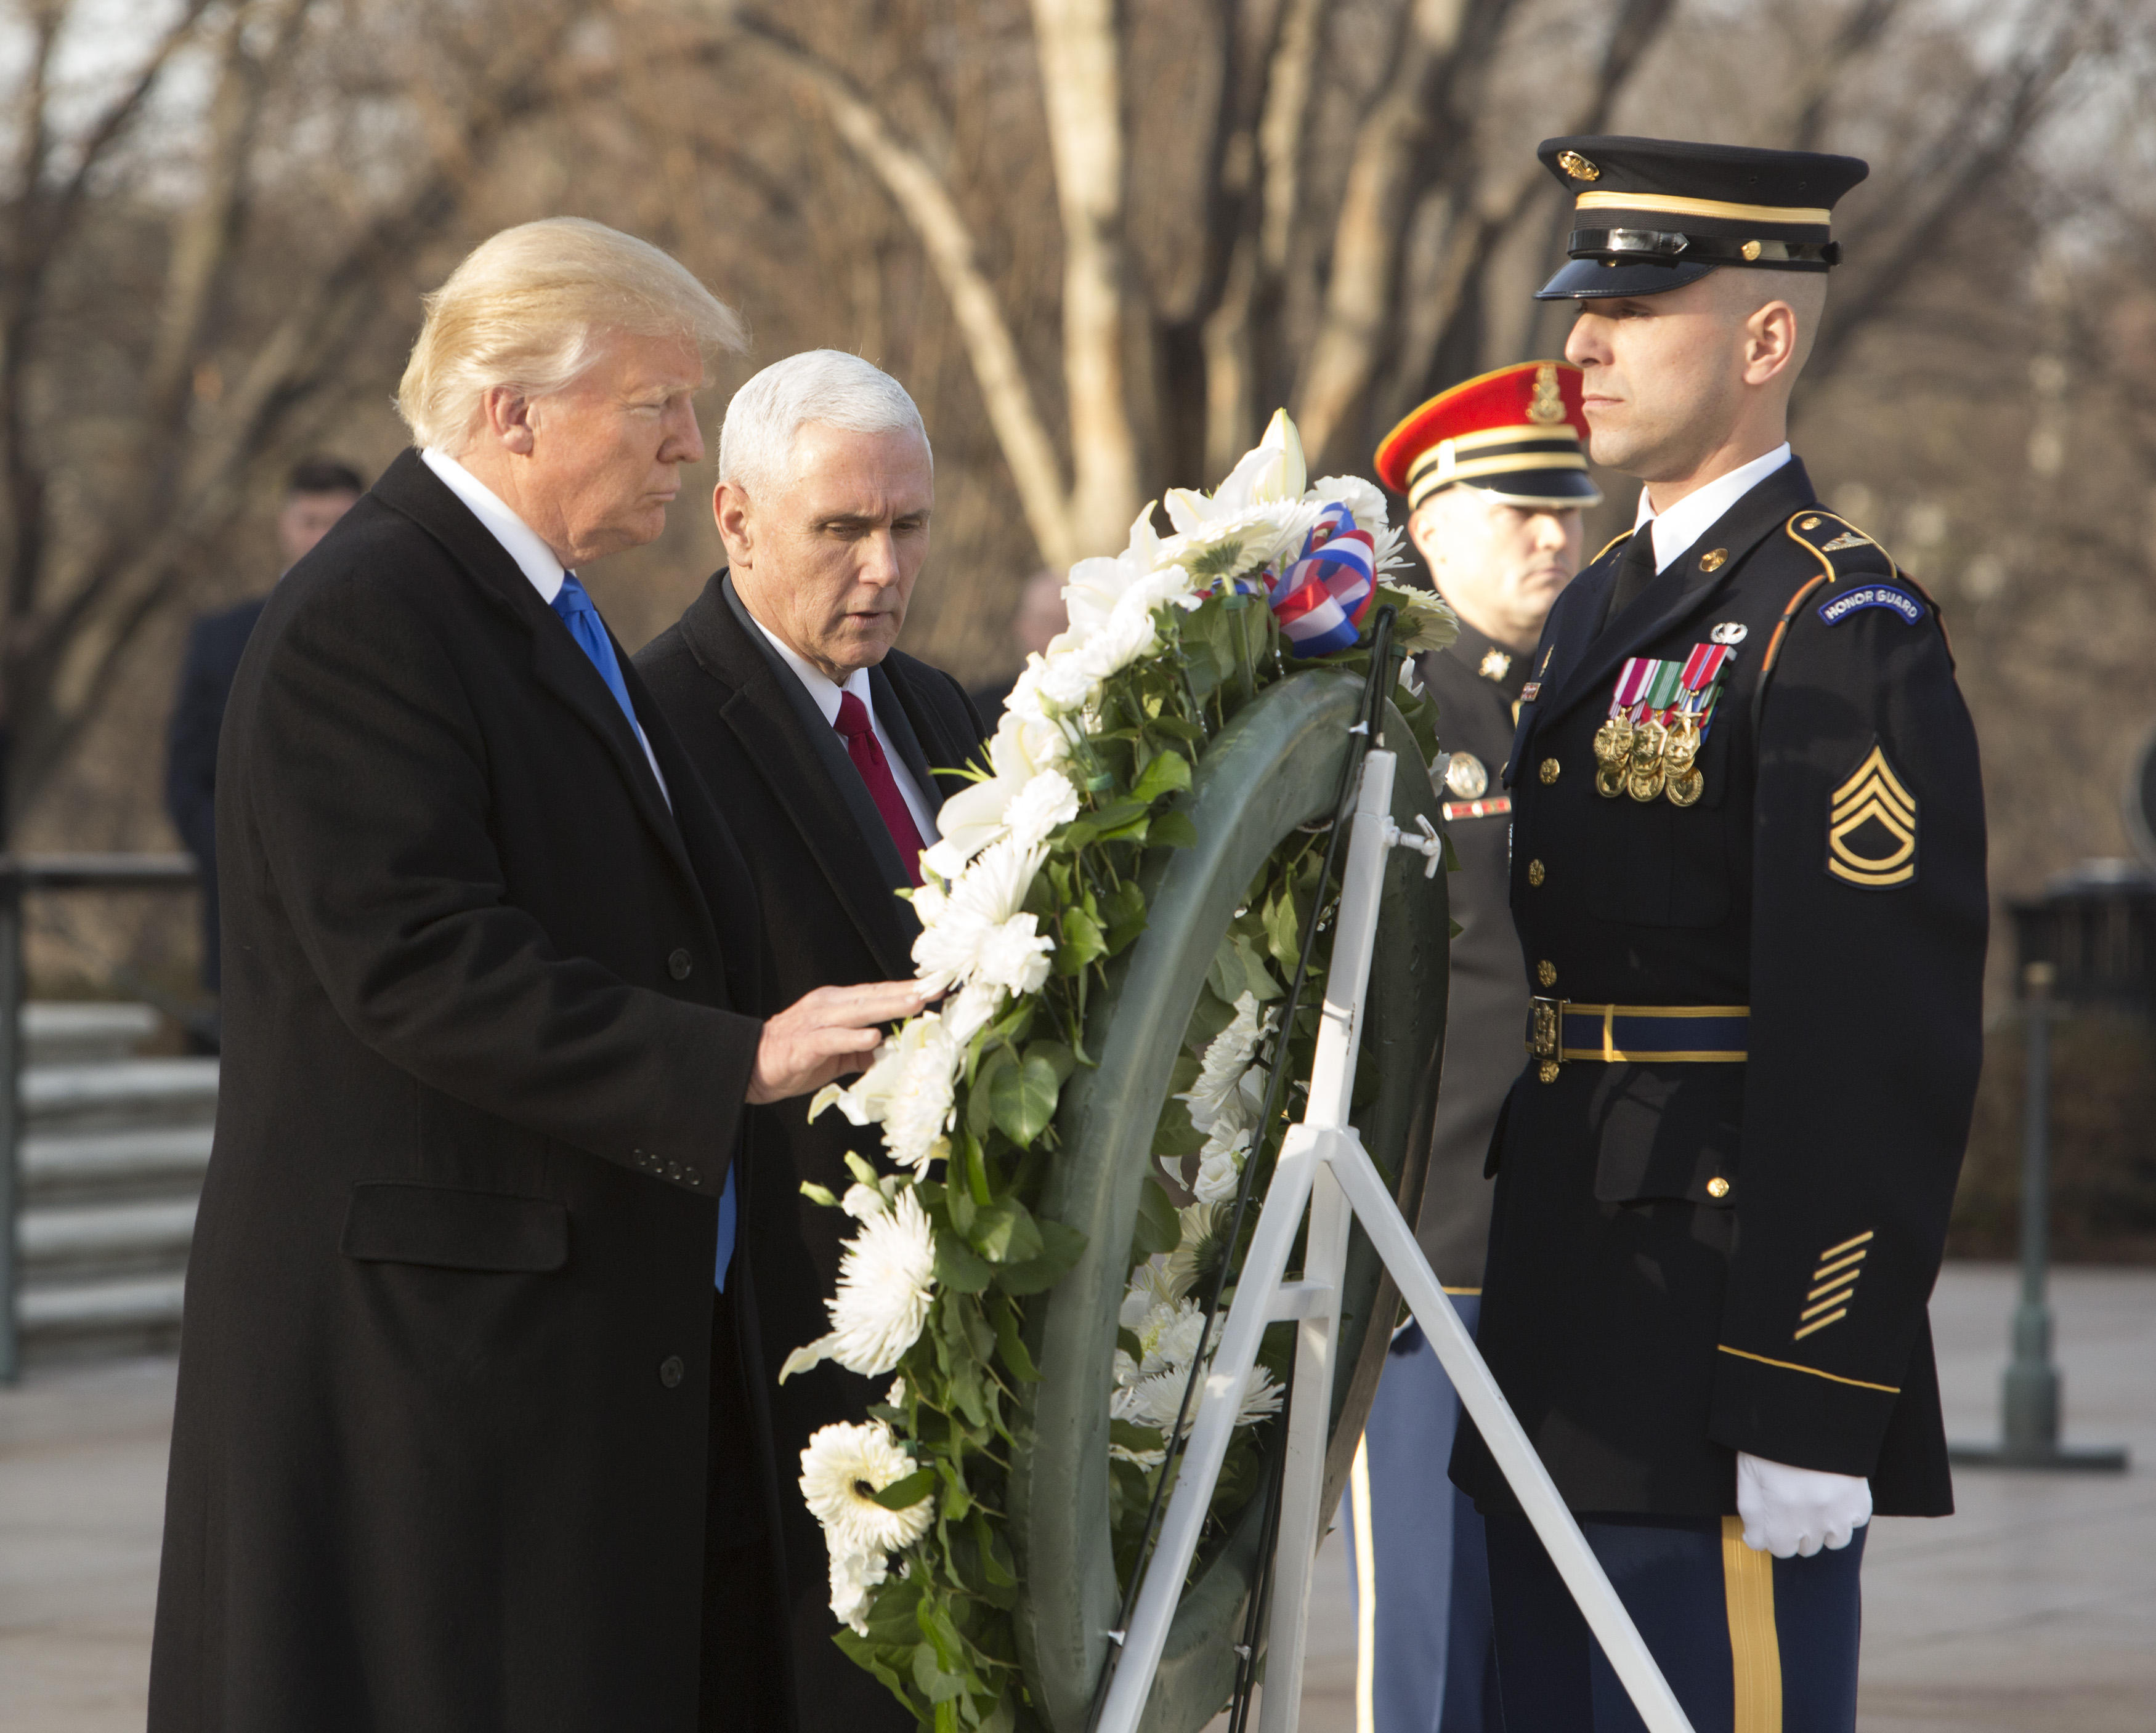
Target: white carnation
(1220,1164)
(1047,801)
(908,1091)
(886,1282)
(979,931)
(1363,500)
(1218,1095)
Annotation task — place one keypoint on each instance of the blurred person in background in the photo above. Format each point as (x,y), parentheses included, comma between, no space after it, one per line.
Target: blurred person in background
(1495,481)
(824,744)
(1040,616)
(317,494)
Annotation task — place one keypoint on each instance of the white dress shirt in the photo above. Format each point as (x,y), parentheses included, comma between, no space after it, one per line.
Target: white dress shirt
(1691,518)
(826,694)
(521,543)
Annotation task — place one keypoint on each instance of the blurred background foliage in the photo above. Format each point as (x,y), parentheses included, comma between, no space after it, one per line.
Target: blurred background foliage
(1098,242)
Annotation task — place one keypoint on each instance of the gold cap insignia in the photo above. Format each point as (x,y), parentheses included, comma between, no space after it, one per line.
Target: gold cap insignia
(1711,559)
(1578,167)
(1547,406)
(1495,666)
(1750,249)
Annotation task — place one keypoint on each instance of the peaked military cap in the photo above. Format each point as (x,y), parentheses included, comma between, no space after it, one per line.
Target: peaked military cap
(1653,214)
(1516,433)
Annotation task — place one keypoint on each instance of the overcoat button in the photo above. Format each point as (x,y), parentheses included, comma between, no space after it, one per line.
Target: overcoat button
(670,1370)
(1548,771)
(678,965)
(692,1175)
(1535,874)
(1718,1186)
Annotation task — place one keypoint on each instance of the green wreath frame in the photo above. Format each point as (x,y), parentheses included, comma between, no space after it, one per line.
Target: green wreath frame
(1276,767)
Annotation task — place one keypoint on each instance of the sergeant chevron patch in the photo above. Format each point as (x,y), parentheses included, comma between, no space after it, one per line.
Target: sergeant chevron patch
(1871,827)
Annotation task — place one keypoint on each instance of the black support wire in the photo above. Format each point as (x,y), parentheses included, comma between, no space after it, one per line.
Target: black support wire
(1367,731)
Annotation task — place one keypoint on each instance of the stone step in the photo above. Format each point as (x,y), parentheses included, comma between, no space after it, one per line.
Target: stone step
(63,1032)
(65,1320)
(120,1094)
(62,1166)
(104,1239)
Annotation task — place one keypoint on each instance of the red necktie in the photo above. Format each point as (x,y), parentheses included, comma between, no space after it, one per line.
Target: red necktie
(866,751)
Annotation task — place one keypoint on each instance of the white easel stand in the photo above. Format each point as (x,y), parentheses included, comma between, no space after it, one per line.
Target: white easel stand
(1323,1162)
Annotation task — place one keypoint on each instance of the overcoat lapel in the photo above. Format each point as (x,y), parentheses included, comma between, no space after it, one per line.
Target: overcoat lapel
(940,751)
(557,663)
(852,849)
(1681,589)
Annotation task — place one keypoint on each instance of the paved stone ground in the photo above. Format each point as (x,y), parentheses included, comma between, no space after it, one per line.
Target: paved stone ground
(2033,1611)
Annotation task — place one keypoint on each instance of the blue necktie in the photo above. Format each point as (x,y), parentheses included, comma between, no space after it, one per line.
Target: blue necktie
(574,605)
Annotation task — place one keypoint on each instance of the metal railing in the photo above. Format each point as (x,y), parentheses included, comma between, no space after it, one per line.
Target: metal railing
(20,876)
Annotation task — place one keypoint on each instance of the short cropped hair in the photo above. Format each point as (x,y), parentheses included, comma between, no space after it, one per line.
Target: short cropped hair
(756,443)
(531,307)
(323,475)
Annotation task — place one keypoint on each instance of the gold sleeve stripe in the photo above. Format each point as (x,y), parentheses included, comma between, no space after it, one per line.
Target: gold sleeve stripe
(1755,1646)
(1825,1270)
(1843,1280)
(1831,1318)
(1791,1366)
(1814,1311)
(1836,1251)
(1671,204)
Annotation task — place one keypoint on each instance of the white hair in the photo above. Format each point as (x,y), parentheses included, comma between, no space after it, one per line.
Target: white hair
(825,386)
(531,307)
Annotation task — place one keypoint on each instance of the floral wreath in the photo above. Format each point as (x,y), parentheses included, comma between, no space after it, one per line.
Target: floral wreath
(1031,891)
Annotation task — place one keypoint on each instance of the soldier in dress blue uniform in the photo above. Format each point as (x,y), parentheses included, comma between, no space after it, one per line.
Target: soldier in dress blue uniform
(1495,481)
(1748,878)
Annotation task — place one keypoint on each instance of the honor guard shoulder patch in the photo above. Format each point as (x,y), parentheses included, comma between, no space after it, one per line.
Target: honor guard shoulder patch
(1842,604)
(1871,827)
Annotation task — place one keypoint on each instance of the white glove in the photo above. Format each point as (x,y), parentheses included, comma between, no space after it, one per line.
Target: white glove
(1793,1512)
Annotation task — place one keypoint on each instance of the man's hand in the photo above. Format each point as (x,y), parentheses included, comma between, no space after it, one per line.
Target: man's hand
(1793,1512)
(825,1034)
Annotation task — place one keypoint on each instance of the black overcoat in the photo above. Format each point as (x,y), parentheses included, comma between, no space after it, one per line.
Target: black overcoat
(439,1461)
(827,877)
(215,644)
(1689,1259)
(1476,686)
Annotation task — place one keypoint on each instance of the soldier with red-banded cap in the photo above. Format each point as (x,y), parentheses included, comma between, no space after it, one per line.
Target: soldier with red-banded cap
(1495,481)
(1748,875)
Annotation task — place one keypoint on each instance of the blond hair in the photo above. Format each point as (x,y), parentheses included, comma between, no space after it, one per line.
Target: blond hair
(529,308)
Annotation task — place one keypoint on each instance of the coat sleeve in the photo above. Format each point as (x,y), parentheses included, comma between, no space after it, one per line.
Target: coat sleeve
(368,787)
(190,747)
(1868,931)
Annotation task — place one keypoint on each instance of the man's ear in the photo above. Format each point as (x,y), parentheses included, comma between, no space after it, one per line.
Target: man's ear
(731,512)
(508,414)
(1770,342)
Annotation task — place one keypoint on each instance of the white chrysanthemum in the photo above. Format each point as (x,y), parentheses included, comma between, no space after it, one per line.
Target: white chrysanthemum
(1217,1095)
(1426,623)
(978,931)
(1364,502)
(886,1281)
(1149,1391)
(1026,796)
(842,1467)
(908,1091)
(971,1009)
(840,1470)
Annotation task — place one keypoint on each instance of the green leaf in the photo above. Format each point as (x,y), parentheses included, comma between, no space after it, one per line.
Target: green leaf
(1173,1133)
(1133,831)
(1012,1347)
(1259,978)
(1169,773)
(1004,1232)
(1083,941)
(1056,1055)
(1126,911)
(1158,1228)
(1062,1247)
(936,1685)
(904,1493)
(819,1194)
(958,1201)
(957,1267)
(1022,1100)
(1283,929)
(976,1170)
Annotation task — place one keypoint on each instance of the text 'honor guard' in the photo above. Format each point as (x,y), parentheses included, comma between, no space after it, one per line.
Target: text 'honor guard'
(1748,875)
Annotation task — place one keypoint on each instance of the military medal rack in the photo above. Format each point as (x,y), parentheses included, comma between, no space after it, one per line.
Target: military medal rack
(1324,1166)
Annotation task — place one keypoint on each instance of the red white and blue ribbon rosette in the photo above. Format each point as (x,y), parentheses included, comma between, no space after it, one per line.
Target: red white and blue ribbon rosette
(1321,598)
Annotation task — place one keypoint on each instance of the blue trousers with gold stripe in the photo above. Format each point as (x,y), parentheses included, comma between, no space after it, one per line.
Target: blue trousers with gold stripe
(1423,1663)
(1749,1643)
